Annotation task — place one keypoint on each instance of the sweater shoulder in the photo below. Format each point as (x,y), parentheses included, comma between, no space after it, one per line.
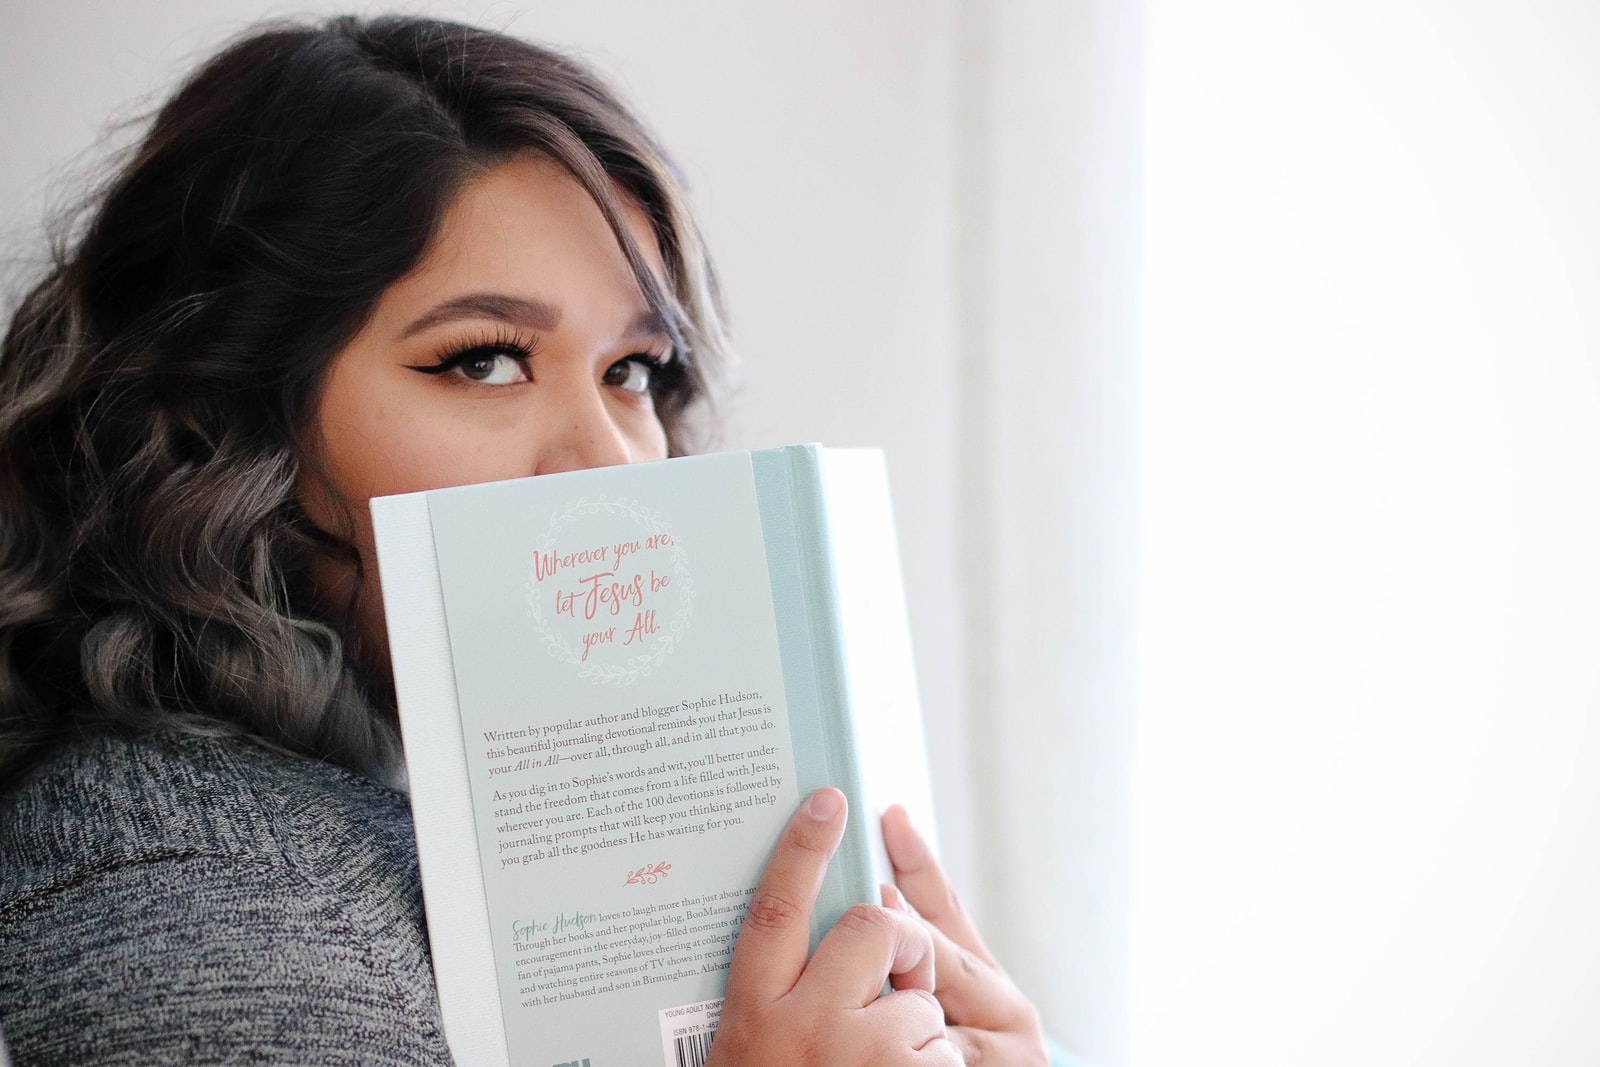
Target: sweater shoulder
(188,899)
(105,801)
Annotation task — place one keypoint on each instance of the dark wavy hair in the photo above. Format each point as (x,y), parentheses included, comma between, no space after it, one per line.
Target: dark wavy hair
(156,386)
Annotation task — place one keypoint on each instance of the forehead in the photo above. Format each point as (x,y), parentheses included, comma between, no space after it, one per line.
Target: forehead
(527,224)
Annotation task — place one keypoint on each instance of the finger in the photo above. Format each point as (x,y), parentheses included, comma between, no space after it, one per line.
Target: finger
(865,948)
(987,1048)
(973,990)
(916,1019)
(965,1039)
(924,884)
(770,953)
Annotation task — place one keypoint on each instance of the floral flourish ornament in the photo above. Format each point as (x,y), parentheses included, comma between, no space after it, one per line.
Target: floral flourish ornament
(649,874)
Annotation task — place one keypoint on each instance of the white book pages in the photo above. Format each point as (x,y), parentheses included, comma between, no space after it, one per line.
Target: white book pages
(880,674)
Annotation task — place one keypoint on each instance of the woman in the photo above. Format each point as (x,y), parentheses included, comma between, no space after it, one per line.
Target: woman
(347,260)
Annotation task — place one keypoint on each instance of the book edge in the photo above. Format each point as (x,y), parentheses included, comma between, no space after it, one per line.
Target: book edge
(430,724)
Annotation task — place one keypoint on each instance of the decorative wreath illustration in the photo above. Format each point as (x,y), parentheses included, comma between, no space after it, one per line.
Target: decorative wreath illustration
(672,629)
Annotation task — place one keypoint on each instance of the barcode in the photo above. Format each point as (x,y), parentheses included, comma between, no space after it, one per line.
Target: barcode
(686,1032)
(692,1049)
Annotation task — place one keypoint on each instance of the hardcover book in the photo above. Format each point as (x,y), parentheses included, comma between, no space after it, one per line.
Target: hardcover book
(615,686)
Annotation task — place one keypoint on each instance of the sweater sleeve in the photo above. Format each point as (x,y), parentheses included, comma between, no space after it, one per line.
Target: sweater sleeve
(200,960)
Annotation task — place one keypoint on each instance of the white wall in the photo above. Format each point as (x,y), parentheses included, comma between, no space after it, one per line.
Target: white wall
(1050,116)
(1369,806)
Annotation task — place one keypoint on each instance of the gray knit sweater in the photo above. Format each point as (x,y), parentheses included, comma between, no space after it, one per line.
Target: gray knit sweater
(196,900)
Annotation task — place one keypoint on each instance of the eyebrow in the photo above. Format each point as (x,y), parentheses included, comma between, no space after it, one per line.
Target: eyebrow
(527,312)
(519,311)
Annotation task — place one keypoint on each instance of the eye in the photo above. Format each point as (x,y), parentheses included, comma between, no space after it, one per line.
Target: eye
(494,363)
(491,367)
(634,374)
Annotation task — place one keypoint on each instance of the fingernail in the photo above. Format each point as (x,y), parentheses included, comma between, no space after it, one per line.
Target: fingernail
(824,804)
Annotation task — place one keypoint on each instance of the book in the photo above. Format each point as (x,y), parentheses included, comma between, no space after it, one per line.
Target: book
(615,686)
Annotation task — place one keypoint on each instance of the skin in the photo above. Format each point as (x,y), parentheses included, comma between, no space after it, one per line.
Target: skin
(991,1022)
(525,261)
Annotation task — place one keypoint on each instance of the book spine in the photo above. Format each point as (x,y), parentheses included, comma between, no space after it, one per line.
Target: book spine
(792,494)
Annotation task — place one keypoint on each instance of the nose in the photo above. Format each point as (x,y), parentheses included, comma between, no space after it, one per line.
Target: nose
(587,433)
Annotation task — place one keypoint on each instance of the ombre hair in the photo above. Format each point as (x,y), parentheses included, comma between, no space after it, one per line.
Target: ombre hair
(156,388)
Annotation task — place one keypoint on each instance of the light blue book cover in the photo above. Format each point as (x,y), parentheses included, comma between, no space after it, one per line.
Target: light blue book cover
(649,666)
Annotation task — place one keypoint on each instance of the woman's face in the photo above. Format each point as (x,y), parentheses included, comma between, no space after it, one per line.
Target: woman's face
(520,345)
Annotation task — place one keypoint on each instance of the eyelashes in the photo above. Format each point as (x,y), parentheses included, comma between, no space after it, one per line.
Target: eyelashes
(668,371)
(504,357)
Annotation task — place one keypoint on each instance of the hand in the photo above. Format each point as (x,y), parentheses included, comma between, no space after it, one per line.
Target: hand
(991,1022)
(828,1012)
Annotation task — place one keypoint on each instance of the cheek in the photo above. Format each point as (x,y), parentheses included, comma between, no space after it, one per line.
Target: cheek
(406,454)
(651,440)
(366,448)
(647,437)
